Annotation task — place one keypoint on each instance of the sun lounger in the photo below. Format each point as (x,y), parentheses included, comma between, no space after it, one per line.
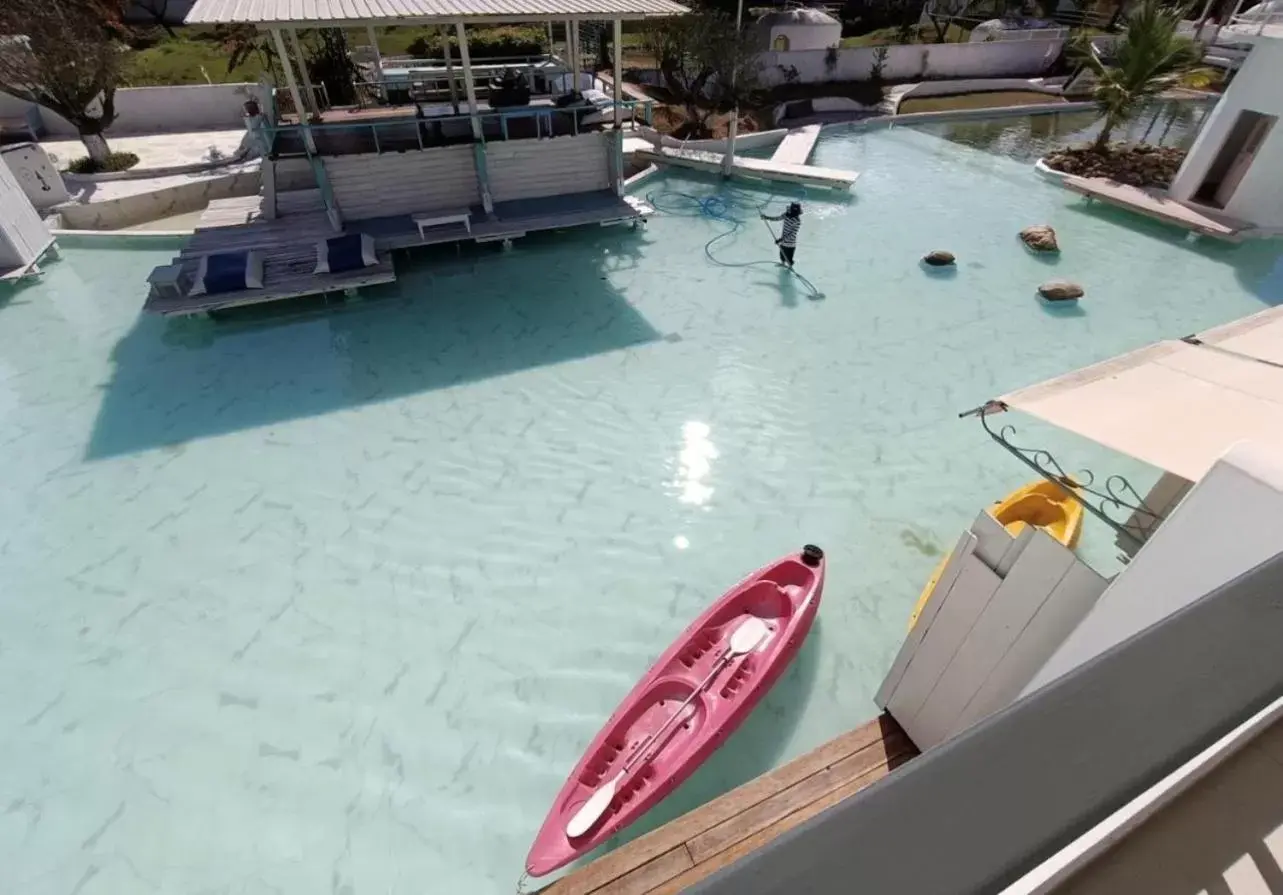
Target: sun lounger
(288,272)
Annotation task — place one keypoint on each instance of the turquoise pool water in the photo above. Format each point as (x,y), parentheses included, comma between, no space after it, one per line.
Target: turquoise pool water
(332,600)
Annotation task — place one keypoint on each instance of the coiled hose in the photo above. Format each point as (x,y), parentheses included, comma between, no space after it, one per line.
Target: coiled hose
(733,207)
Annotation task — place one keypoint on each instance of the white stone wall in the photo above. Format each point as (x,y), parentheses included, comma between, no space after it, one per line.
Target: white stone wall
(995,59)
(153,110)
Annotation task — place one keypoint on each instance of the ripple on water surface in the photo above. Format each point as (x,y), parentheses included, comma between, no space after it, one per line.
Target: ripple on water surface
(336,599)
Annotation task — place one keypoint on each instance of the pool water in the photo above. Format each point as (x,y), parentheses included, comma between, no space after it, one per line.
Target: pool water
(332,599)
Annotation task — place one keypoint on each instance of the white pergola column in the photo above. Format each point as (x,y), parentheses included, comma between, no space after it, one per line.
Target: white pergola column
(478,136)
(378,60)
(449,69)
(468,87)
(618,135)
(728,160)
(309,95)
(617,54)
(573,52)
(292,85)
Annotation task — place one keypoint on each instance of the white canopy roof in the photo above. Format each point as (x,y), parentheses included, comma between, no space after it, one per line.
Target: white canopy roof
(1177,405)
(329,13)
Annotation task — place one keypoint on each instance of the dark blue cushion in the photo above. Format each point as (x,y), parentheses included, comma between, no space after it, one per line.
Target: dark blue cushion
(225,272)
(345,253)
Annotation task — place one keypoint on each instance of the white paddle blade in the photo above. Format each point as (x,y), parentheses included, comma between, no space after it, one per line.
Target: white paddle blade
(592,810)
(748,635)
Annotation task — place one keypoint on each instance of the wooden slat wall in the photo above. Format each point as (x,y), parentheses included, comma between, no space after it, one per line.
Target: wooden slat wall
(527,169)
(372,185)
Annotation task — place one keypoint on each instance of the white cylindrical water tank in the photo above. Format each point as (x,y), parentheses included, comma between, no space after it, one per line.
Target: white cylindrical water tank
(23,235)
(36,174)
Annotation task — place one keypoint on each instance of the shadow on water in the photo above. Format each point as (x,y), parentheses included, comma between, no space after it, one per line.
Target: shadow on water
(750,752)
(1257,263)
(450,319)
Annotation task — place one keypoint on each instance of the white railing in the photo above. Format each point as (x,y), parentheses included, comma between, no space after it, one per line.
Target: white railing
(1256,22)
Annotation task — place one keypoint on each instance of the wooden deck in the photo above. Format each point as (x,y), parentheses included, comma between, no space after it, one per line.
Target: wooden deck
(751,168)
(683,852)
(511,220)
(797,145)
(289,242)
(1155,204)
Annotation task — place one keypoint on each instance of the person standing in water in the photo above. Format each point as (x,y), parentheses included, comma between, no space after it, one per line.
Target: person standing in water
(792,218)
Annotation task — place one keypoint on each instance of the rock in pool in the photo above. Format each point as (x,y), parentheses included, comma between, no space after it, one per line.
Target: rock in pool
(938,258)
(1040,238)
(1060,290)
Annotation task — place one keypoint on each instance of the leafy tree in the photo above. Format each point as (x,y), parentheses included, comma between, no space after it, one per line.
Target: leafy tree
(700,55)
(1150,58)
(65,55)
(156,10)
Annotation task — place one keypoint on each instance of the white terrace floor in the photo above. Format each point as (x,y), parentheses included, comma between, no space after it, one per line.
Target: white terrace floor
(159,150)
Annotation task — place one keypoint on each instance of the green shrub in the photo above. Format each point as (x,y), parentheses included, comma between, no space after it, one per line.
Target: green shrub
(116,161)
(486,43)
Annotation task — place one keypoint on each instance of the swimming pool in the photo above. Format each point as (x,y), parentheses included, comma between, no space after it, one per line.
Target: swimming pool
(332,601)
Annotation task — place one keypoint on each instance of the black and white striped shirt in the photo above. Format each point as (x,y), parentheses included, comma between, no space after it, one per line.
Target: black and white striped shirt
(788,237)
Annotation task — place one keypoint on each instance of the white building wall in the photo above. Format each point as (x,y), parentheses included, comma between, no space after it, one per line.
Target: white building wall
(1226,525)
(996,59)
(526,169)
(151,110)
(1259,196)
(803,36)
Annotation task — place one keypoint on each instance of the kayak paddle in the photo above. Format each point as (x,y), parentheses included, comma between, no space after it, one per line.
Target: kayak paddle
(744,639)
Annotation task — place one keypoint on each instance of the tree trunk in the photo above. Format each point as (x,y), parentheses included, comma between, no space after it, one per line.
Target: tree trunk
(1106,132)
(96,144)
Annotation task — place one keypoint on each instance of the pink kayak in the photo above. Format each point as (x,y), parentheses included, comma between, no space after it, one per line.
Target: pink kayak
(644,751)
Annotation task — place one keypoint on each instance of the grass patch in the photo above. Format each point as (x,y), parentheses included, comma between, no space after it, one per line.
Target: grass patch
(116,161)
(196,55)
(996,99)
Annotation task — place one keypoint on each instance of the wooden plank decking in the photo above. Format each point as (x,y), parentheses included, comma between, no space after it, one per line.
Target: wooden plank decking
(1156,204)
(751,168)
(695,845)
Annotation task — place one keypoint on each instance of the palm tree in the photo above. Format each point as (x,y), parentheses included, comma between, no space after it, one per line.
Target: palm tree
(1149,58)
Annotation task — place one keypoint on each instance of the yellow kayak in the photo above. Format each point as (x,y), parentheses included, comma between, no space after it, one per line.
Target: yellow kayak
(1044,504)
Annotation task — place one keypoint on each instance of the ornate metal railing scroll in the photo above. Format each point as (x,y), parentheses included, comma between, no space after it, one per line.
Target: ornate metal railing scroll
(1114,497)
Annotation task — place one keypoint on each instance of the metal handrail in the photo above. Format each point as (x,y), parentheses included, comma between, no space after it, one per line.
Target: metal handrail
(539,113)
(1260,20)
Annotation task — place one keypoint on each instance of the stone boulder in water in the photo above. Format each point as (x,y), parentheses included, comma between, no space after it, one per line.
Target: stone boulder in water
(938,258)
(1040,239)
(1060,290)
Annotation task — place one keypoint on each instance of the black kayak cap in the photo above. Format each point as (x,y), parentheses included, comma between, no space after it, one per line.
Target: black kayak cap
(812,555)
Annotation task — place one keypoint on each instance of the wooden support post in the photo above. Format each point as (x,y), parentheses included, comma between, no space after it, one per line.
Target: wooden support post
(618,145)
(308,144)
(478,135)
(618,73)
(449,69)
(309,92)
(378,61)
(573,52)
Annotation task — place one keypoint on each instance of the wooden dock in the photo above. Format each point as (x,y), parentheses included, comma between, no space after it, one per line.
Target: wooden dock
(686,850)
(751,168)
(797,145)
(1156,204)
